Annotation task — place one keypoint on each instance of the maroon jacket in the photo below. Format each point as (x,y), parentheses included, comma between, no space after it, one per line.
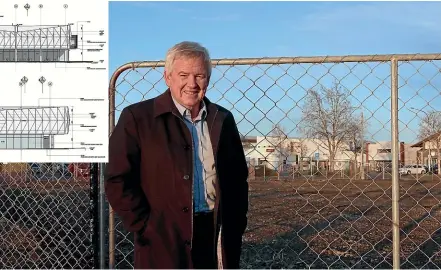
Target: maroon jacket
(148,182)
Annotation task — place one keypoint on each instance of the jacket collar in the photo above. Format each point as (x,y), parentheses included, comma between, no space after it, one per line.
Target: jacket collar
(164,104)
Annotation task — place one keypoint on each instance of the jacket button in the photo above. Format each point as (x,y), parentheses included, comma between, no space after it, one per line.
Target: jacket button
(187,147)
(186,177)
(187,243)
(185,209)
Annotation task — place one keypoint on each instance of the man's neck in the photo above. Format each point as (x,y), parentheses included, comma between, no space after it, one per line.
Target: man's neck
(194,111)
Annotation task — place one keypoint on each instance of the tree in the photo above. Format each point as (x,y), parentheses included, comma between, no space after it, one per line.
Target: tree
(430,127)
(356,140)
(329,117)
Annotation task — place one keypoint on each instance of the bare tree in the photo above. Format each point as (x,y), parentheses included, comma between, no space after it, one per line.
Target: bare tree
(328,116)
(430,127)
(355,139)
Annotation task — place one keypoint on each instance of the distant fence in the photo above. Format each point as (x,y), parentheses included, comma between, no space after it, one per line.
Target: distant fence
(329,219)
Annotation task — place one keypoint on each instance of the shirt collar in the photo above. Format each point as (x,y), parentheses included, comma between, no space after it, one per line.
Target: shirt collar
(186,112)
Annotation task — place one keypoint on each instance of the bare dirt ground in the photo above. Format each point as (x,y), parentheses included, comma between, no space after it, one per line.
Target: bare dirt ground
(342,224)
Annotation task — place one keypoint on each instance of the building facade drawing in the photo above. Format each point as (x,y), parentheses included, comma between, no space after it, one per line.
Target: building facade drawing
(32,127)
(42,43)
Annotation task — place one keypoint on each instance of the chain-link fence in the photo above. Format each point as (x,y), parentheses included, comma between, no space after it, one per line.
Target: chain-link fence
(48,215)
(333,144)
(343,156)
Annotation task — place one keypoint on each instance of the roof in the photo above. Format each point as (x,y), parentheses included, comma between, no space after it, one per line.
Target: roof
(431,137)
(249,139)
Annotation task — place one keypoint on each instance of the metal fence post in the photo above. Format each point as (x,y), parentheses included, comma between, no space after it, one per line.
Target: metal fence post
(395,176)
(94,213)
(112,107)
(102,220)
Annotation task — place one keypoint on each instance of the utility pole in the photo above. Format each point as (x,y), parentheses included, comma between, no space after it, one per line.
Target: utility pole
(362,147)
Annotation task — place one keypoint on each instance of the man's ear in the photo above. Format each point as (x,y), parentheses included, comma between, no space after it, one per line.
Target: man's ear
(167,78)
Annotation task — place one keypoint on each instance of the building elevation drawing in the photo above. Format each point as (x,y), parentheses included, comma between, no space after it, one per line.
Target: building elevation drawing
(24,40)
(32,127)
(45,43)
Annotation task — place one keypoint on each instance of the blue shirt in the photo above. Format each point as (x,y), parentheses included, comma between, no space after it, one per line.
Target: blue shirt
(204,172)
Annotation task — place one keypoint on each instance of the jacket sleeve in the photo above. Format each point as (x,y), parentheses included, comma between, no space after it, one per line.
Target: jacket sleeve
(122,174)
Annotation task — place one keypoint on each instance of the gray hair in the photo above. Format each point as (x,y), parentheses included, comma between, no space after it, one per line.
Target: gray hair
(187,49)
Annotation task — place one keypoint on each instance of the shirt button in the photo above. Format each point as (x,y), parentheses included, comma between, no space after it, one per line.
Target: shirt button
(185,209)
(186,177)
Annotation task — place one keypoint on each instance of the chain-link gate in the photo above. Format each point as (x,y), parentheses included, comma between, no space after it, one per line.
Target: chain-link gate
(48,215)
(333,144)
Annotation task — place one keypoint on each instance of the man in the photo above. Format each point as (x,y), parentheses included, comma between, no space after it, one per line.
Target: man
(177,173)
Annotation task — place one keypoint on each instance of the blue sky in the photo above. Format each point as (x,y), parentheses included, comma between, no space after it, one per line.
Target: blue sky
(145,30)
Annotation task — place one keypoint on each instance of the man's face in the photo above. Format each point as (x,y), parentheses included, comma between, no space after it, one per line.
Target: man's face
(188,81)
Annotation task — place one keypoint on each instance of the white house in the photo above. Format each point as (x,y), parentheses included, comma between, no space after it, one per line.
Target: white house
(294,151)
(379,154)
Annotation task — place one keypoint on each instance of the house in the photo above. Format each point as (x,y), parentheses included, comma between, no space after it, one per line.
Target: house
(379,154)
(427,149)
(275,151)
(313,152)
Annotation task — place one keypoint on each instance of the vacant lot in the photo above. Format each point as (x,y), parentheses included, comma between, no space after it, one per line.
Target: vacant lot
(342,224)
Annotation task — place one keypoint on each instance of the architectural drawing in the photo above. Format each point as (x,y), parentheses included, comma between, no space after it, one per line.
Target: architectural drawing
(26,41)
(50,124)
(45,43)
(32,127)
(54,61)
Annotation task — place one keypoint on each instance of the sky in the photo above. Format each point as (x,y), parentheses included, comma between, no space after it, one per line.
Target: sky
(143,31)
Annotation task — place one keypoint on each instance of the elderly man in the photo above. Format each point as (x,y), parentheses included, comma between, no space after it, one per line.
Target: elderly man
(177,173)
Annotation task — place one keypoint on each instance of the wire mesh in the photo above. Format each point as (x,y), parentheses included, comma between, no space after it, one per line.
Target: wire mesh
(317,136)
(47,216)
